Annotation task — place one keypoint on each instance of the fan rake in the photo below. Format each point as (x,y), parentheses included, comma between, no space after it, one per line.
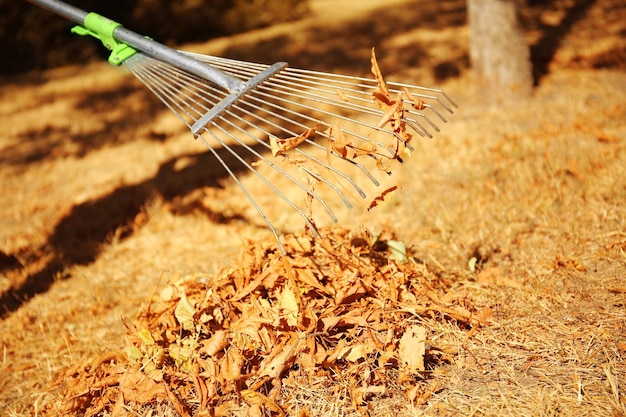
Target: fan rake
(320,131)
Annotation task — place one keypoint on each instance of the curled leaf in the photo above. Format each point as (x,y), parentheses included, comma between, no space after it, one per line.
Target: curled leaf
(417,103)
(281,146)
(385,196)
(381,94)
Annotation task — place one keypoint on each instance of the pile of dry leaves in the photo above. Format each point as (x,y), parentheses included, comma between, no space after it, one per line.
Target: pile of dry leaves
(345,306)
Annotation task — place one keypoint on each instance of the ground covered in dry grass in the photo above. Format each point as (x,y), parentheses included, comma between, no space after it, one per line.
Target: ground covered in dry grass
(513,218)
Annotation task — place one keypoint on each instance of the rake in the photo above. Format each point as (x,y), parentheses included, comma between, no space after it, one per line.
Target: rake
(326,134)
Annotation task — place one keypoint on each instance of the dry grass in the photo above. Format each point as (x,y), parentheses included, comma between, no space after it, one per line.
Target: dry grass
(521,207)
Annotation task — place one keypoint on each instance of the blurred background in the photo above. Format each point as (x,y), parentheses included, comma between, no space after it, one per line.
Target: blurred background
(26,30)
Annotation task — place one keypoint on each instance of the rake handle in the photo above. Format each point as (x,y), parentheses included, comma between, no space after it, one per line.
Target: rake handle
(149,47)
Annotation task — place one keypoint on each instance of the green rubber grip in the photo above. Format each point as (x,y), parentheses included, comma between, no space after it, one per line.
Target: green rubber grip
(103,29)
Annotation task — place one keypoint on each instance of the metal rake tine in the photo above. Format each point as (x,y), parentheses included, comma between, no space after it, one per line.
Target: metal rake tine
(277,168)
(315,144)
(249,197)
(293,90)
(162,90)
(310,156)
(345,83)
(169,93)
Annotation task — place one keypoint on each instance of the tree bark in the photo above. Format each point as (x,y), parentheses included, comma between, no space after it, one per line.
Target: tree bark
(499,54)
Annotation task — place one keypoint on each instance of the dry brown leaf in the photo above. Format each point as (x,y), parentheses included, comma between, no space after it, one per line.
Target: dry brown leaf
(339,348)
(330,322)
(281,146)
(381,94)
(140,389)
(308,355)
(342,96)
(289,305)
(356,353)
(337,141)
(367,149)
(184,312)
(231,364)
(383,197)
(278,363)
(391,112)
(256,398)
(412,348)
(417,104)
(216,343)
(307,276)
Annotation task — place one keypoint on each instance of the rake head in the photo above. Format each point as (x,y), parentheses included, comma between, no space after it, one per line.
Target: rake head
(327,134)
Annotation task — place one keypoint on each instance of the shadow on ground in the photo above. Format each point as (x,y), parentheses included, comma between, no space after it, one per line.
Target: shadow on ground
(78,237)
(345,47)
(543,51)
(119,109)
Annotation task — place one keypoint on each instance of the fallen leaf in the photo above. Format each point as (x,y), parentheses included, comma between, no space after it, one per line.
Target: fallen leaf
(397,249)
(289,306)
(231,364)
(138,388)
(412,348)
(494,276)
(216,343)
(278,363)
(256,398)
(184,312)
(356,353)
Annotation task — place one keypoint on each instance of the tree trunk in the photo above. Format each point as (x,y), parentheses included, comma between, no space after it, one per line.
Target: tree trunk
(499,54)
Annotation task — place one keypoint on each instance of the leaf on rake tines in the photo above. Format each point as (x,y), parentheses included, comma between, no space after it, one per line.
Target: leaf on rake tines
(275,147)
(368,149)
(391,112)
(337,141)
(383,197)
(342,96)
(417,104)
(381,93)
(281,146)
(184,312)
(412,348)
